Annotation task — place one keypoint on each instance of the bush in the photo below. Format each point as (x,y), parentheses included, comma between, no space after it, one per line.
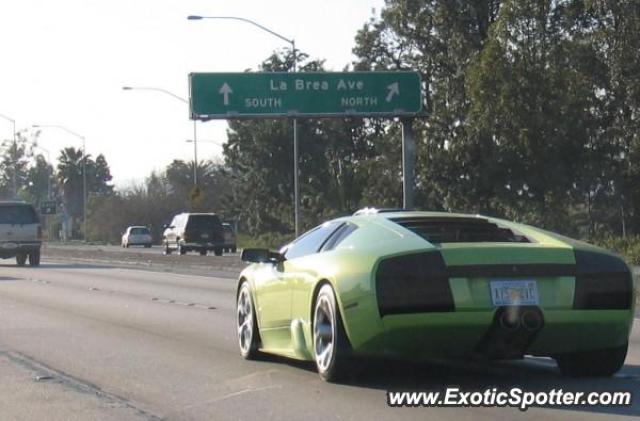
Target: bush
(270,240)
(628,247)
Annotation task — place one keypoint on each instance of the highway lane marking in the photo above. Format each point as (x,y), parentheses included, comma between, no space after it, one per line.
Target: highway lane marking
(233,394)
(156,299)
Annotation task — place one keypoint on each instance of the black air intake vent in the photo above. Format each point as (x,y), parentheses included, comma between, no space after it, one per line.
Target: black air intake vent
(441,230)
(414,283)
(603,282)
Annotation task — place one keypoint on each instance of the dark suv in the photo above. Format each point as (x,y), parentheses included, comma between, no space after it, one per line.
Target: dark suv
(200,232)
(20,233)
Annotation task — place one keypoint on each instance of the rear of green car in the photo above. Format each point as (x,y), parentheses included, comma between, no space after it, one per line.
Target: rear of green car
(530,293)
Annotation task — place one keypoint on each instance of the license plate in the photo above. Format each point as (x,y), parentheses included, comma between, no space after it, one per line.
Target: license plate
(204,236)
(514,293)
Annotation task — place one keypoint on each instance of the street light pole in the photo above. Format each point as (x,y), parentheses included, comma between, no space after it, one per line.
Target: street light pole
(15,167)
(84,171)
(195,131)
(296,192)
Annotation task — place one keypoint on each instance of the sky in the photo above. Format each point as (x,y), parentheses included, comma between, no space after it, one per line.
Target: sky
(65,62)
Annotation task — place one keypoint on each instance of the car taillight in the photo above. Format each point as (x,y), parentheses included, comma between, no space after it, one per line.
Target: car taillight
(413,283)
(603,282)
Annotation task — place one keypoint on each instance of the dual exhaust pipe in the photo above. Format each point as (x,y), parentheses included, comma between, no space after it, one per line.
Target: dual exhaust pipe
(529,320)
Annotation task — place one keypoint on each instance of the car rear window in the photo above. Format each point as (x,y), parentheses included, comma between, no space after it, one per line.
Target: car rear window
(17,214)
(441,230)
(139,231)
(204,222)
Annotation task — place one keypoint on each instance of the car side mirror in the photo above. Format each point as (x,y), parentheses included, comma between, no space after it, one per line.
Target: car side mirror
(261,256)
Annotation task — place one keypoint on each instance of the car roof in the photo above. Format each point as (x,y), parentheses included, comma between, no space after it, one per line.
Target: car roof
(392,214)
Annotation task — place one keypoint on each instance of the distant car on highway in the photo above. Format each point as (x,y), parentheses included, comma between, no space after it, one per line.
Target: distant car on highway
(229,238)
(20,233)
(433,284)
(137,235)
(201,232)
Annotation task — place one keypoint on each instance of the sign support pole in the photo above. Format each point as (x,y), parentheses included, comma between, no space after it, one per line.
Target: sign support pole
(408,163)
(296,189)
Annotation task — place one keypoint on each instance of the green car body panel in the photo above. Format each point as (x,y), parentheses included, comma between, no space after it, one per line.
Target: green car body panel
(284,293)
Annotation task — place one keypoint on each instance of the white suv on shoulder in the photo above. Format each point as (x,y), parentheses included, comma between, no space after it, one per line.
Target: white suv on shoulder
(20,232)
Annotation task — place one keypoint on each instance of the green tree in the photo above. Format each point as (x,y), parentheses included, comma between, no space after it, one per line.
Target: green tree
(14,166)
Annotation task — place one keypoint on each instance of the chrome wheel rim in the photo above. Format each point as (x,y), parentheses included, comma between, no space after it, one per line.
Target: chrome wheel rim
(245,320)
(323,333)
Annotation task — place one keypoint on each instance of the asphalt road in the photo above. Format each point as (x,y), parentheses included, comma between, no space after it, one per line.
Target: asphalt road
(82,341)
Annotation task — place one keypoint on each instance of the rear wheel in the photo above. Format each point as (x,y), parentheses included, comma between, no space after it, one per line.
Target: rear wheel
(34,258)
(166,251)
(217,252)
(203,252)
(181,250)
(598,363)
(21,259)
(248,334)
(330,342)
(234,249)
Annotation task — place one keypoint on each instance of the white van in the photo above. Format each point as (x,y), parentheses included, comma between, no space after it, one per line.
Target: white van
(20,233)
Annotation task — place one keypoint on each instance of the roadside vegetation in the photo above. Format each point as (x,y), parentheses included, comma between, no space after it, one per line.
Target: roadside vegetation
(532,114)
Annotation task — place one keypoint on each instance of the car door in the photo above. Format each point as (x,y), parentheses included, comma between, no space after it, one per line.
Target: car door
(275,282)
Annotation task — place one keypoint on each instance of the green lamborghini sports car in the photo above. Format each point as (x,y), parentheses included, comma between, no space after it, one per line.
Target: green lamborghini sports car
(416,285)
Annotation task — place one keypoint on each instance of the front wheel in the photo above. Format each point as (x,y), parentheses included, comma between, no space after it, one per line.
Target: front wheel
(248,334)
(598,363)
(181,250)
(217,252)
(166,251)
(203,252)
(330,342)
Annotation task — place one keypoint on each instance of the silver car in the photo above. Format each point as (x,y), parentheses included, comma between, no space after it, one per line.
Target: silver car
(137,236)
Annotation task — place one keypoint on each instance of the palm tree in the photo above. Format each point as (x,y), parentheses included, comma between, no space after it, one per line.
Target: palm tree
(70,178)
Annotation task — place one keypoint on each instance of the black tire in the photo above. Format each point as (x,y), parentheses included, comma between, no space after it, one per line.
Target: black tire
(327,327)
(166,250)
(147,246)
(234,249)
(21,259)
(217,252)
(34,258)
(126,246)
(599,363)
(246,324)
(203,252)
(181,250)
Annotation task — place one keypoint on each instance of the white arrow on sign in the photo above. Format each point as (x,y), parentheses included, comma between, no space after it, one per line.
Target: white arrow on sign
(225,90)
(394,89)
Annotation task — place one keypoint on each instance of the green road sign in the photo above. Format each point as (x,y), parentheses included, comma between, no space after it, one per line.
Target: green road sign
(308,94)
(48,208)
